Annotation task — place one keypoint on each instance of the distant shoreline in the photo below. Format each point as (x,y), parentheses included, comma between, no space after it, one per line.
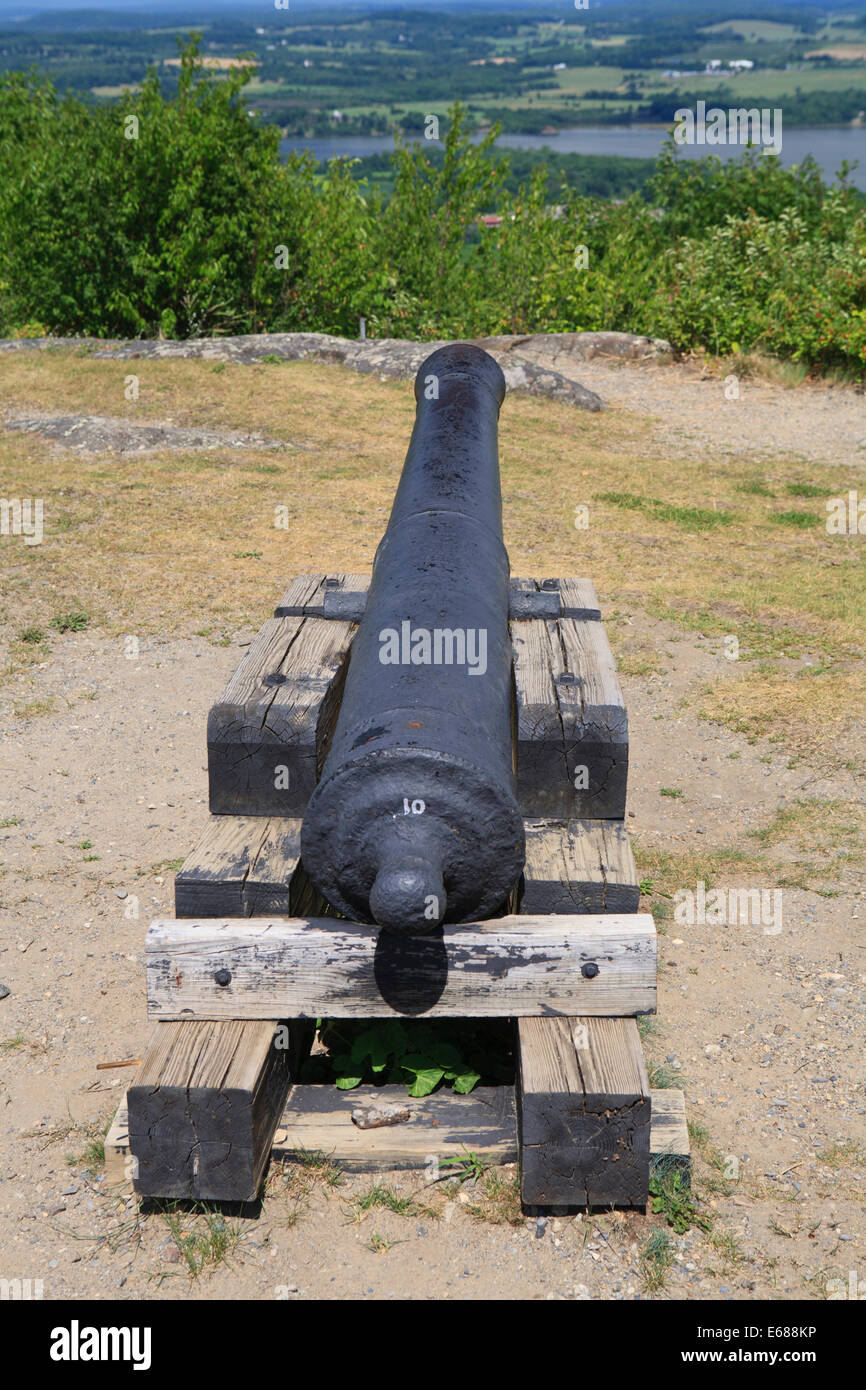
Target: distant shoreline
(829,145)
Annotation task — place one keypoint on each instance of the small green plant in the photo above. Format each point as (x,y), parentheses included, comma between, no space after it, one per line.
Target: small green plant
(73,621)
(9,821)
(319,1166)
(383,1196)
(804,521)
(695,518)
(467,1167)
(839,1155)
(33,635)
(755,488)
(662,1077)
(10,1044)
(165,866)
(672,1199)
(805,490)
(414,1053)
(656,1258)
(499,1202)
(379,1244)
(210,1241)
(674,792)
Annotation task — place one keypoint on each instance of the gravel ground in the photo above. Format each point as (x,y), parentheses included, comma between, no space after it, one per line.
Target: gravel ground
(764,1032)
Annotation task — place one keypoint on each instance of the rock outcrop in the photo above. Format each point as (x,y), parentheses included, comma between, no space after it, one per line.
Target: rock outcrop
(543,364)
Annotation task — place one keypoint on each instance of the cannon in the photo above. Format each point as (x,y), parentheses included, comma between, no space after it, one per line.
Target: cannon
(415,821)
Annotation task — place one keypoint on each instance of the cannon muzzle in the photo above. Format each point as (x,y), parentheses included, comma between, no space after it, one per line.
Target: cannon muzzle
(415,819)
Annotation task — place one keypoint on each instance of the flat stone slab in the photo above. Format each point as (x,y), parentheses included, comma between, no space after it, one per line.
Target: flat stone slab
(102,434)
(541,364)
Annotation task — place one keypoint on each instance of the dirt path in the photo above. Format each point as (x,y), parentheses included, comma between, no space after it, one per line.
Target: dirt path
(690,411)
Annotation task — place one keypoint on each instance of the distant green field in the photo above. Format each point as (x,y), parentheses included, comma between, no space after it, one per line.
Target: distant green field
(754,30)
(375,68)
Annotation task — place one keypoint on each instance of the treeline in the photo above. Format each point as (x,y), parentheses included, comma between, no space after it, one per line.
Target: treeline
(566,175)
(176,216)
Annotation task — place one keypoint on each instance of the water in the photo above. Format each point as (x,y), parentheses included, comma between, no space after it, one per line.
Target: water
(828,144)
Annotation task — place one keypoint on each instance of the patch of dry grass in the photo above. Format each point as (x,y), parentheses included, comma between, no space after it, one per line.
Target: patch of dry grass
(498,1200)
(806,844)
(178,542)
(811,712)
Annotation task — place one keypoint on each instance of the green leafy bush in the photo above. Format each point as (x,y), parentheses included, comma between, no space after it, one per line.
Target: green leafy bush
(194,226)
(414,1053)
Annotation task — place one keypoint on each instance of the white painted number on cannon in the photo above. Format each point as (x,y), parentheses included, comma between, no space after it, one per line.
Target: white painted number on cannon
(414,808)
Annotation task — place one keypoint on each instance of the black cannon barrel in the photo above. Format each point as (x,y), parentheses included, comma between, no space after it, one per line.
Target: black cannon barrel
(415,820)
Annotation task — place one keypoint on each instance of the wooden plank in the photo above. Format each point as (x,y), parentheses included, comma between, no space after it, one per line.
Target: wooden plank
(213,878)
(282,967)
(578,599)
(247,866)
(318,1119)
(581,866)
(269,732)
(584,1112)
(572,728)
(670,1149)
(204,1106)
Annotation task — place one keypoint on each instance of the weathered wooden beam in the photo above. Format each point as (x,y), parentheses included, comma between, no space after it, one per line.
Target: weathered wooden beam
(318,1119)
(318,967)
(578,866)
(584,1112)
(268,733)
(670,1150)
(222,1082)
(204,1106)
(246,866)
(572,728)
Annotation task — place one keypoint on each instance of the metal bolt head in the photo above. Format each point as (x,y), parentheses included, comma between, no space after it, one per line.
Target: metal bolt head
(223,977)
(589,970)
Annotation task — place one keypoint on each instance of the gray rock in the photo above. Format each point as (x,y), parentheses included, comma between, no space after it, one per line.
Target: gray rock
(98,434)
(542,364)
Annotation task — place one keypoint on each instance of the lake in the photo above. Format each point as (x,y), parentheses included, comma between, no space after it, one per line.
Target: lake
(828,144)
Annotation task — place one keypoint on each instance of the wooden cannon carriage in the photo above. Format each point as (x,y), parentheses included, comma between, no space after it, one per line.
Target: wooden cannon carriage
(254,955)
